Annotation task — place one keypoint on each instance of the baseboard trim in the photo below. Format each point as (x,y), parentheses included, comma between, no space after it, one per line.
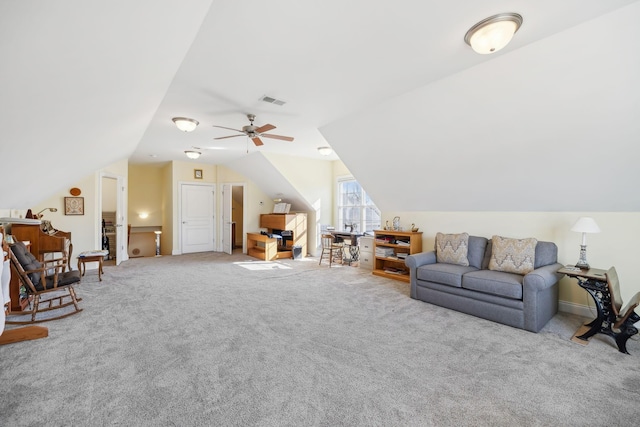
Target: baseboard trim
(577,309)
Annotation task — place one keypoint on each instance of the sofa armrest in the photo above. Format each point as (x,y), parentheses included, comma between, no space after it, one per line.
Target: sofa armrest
(542,277)
(413,262)
(422,258)
(540,296)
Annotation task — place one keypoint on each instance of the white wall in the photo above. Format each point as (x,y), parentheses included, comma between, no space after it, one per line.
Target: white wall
(551,126)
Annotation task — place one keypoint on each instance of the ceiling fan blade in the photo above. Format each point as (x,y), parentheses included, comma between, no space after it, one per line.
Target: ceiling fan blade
(230,136)
(265,128)
(284,138)
(257,141)
(224,127)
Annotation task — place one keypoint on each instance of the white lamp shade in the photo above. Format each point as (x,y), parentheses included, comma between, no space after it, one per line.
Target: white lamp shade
(492,34)
(185,124)
(586,225)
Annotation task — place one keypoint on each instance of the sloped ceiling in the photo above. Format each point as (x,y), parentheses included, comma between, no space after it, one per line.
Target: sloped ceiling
(261,171)
(86,83)
(79,83)
(552,126)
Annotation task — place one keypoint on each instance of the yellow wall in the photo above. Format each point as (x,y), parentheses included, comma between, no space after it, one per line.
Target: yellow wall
(614,246)
(256,202)
(145,194)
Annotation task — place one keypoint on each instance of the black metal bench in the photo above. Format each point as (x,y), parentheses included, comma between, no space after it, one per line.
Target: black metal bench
(612,319)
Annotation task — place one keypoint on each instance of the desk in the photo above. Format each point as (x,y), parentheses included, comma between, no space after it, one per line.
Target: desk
(594,281)
(92,256)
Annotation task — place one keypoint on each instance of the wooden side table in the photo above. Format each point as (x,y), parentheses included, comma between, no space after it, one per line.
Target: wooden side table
(92,256)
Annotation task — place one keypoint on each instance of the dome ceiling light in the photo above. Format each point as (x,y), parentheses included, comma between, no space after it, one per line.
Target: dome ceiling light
(325,151)
(492,34)
(185,124)
(192,154)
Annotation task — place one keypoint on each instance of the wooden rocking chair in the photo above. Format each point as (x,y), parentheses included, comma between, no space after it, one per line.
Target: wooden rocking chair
(44,279)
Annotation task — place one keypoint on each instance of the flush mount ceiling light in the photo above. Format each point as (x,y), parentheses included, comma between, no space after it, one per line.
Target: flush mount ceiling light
(185,124)
(325,151)
(492,34)
(192,154)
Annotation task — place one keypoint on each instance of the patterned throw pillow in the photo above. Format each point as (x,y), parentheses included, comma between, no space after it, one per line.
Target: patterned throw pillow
(452,248)
(513,255)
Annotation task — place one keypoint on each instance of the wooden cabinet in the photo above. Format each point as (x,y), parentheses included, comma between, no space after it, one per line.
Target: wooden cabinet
(293,229)
(390,250)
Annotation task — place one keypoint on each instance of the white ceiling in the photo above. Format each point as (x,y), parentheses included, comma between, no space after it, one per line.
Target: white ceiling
(86,83)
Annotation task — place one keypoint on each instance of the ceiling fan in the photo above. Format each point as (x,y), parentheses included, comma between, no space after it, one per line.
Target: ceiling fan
(255,132)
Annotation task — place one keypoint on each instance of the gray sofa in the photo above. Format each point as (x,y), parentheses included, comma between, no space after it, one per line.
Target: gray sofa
(522,301)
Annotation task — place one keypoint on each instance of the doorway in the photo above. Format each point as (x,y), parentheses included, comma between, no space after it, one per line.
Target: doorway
(232,218)
(111,217)
(237,216)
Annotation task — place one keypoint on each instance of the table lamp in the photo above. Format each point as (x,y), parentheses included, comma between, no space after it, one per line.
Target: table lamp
(584,225)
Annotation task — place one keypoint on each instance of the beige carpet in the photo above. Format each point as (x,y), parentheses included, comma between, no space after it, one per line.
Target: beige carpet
(198,340)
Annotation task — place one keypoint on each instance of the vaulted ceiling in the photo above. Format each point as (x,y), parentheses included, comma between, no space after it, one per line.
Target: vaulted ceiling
(420,119)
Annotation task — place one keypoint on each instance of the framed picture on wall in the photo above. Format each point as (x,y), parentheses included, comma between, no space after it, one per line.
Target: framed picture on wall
(74,205)
(197,173)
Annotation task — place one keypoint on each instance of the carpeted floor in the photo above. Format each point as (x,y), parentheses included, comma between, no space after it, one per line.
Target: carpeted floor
(211,339)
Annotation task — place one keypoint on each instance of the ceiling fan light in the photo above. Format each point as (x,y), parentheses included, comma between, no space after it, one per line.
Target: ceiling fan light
(192,154)
(492,34)
(325,151)
(185,124)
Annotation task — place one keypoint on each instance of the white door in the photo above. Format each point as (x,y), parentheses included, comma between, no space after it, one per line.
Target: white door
(197,216)
(227,244)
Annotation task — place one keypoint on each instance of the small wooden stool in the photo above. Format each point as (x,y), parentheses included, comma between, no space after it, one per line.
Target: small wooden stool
(92,256)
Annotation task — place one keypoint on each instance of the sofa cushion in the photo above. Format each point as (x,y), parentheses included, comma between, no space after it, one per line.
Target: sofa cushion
(546,254)
(477,249)
(487,256)
(452,248)
(508,285)
(447,274)
(513,255)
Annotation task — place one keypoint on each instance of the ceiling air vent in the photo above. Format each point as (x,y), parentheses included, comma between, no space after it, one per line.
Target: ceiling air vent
(272,100)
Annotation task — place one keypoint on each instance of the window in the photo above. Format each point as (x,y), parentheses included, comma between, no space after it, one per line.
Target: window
(356,210)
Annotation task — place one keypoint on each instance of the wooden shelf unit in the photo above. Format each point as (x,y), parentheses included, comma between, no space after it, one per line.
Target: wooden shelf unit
(110,231)
(261,246)
(382,264)
(296,223)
